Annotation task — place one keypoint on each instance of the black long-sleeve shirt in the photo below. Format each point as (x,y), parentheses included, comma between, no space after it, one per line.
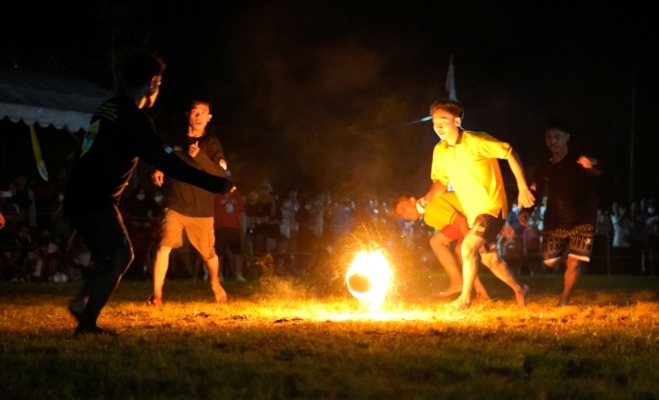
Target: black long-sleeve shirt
(571,192)
(119,136)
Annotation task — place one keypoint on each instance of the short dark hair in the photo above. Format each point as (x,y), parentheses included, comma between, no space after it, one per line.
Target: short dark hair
(453,107)
(140,67)
(557,123)
(203,99)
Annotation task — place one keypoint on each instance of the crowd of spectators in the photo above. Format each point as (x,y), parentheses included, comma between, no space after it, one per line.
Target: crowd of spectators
(291,232)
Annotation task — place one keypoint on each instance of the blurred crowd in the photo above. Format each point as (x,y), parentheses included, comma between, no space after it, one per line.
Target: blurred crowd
(290,232)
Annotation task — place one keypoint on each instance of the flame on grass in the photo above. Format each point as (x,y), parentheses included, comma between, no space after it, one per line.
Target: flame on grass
(369,277)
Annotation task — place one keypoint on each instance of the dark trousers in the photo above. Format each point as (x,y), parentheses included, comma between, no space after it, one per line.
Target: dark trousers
(104,233)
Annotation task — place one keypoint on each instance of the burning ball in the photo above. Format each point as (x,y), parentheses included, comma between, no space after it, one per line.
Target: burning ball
(368,278)
(359,283)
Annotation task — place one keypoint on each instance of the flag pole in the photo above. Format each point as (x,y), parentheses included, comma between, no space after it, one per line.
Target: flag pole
(449,84)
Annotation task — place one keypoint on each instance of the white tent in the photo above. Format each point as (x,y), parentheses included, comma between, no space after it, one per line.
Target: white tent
(48,99)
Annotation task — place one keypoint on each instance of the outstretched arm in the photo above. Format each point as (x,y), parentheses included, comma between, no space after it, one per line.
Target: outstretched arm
(525,197)
(590,164)
(164,159)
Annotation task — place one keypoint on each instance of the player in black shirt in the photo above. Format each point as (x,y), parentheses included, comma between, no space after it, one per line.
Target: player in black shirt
(188,208)
(119,136)
(568,181)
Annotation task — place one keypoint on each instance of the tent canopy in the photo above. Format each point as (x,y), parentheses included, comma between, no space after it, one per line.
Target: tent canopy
(48,99)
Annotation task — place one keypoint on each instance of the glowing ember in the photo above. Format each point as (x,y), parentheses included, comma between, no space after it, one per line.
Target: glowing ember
(368,278)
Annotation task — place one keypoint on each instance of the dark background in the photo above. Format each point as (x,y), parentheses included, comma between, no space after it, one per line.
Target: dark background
(324,94)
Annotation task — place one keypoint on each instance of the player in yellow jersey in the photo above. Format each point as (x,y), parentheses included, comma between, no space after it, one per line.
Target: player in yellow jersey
(469,160)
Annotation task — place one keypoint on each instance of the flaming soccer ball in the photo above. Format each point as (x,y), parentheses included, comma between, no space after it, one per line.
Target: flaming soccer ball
(368,278)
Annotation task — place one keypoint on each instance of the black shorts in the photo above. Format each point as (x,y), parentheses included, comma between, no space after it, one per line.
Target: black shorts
(577,242)
(487,227)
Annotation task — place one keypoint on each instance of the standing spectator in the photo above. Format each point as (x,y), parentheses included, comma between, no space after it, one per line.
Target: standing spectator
(19,255)
(652,226)
(286,257)
(511,241)
(568,181)
(9,221)
(120,135)
(601,256)
(25,198)
(58,226)
(230,233)
(261,212)
(469,161)
(638,237)
(189,208)
(532,238)
(622,245)
(341,219)
(311,223)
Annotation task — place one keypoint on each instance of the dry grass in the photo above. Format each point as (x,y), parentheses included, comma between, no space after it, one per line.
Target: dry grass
(309,339)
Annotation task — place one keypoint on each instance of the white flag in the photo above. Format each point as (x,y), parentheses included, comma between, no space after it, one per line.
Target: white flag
(450,81)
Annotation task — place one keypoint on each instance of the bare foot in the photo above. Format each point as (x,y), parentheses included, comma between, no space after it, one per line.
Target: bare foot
(521,295)
(154,301)
(564,301)
(459,304)
(219,293)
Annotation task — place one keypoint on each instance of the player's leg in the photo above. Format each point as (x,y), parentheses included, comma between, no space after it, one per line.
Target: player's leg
(170,237)
(447,259)
(487,227)
(470,259)
(202,237)
(500,269)
(580,248)
(105,235)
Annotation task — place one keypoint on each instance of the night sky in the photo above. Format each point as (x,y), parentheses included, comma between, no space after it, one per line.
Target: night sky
(322,94)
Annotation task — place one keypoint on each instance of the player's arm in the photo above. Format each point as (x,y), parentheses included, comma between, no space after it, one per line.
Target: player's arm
(205,163)
(592,165)
(162,157)
(525,197)
(436,190)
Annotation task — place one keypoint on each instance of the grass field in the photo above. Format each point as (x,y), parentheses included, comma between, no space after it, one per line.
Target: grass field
(310,339)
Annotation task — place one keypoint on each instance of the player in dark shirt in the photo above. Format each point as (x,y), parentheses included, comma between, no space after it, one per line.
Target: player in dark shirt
(119,136)
(187,207)
(568,181)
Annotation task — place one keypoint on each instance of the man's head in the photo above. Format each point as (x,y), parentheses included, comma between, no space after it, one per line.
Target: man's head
(557,136)
(405,207)
(446,118)
(199,115)
(142,74)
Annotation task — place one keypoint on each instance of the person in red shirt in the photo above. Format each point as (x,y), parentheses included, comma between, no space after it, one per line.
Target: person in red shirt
(230,231)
